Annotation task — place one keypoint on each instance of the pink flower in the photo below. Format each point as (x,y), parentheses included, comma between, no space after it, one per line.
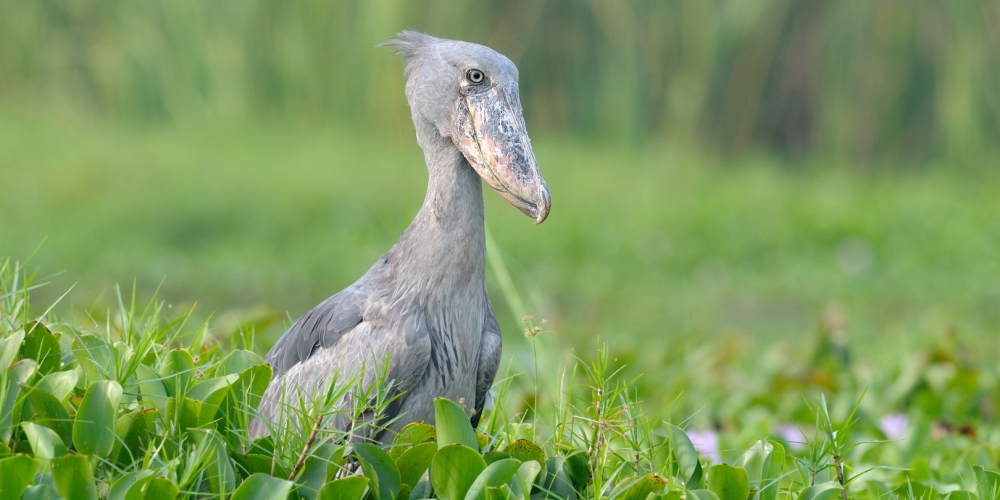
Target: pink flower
(706,444)
(894,425)
(791,435)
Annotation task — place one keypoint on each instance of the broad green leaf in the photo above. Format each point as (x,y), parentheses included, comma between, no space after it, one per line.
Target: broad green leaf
(411,434)
(556,478)
(494,475)
(210,394)
(960,495)
(10,407)
(525,450)
(157,488)
(94,427)
(701,495)
(525,479)
(51,413)
(414,462)
(453,425)
(45,443)
(263,487)
(58,384)
(312,476)
(823,491)
(578,469)
(72,477)
(254,463)
(379,467)
(16,473)
(987,483)
(183,414)
(251,385)
(764,463)
(348,488)
(688,465)
(40,492)
(494,456)
(94,356)
(642,487)
(41,345)
(237,362)
(218,467)
(134,433)
(124,483)
(176,371)
(9,347)
(728,482)
(454,468)
(151,389)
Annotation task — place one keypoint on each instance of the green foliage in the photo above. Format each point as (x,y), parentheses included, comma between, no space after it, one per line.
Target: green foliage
(150,409)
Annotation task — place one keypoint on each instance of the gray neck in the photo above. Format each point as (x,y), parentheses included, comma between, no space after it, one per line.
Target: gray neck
(445,246)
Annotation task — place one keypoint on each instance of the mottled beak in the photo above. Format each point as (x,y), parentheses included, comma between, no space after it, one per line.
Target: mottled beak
(494,140)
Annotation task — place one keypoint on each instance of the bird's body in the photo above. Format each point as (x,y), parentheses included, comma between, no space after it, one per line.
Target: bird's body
(423,307)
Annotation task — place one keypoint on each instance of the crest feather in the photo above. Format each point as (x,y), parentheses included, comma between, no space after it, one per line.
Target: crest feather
(411,45)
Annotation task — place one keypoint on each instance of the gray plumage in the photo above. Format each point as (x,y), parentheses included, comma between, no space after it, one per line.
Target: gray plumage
(423,305)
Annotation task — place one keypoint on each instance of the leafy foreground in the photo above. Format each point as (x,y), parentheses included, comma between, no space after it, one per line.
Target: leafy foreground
(143,407)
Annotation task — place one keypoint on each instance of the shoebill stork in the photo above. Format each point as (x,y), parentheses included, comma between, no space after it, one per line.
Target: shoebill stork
(423,306)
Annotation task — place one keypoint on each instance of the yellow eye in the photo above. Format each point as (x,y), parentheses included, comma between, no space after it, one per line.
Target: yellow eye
(475,76)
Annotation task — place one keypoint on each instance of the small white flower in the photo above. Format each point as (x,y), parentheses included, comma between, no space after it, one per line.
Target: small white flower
(894,425)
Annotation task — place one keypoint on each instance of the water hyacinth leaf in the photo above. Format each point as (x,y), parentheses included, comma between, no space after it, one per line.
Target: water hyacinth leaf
(525,478)
(9,347)
(774,466)
(411,434)
(42,346)
(40,492)
(154,395)
(58,384)
(702,495)
(578,468)
(45,443)
(94,356)
(454,468)
(494,475)
(556,478)
(16,473)
(348,488)
(414,462)
(688,465)
(94,426)
(453,425)
(379,467)
(218,467)
(823,491)
(157,488)
(960,495)
(122,485)
(50,412)
(494,456)
(250,387)
(987,483)
(176,371)
(263,487)
(525,450)
(10,407)
(210,393)
(254,463)
(237,362)
(728,482)
(134,430)
(73,478)
(643,487)
(312,476)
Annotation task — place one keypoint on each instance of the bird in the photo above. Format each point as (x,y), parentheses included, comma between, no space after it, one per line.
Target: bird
(422,312)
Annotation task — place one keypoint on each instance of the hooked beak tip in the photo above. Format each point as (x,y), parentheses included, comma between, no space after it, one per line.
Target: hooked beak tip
(542,209)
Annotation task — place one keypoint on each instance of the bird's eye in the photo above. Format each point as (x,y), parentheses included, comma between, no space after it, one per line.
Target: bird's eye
(475,75)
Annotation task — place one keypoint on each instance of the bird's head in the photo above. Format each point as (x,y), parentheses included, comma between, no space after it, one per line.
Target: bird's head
(468,92)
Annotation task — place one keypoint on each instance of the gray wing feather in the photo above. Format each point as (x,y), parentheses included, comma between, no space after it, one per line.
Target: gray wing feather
(322,326)
(490,349)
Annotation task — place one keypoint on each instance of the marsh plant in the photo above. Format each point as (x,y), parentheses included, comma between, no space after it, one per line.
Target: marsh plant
(142,404)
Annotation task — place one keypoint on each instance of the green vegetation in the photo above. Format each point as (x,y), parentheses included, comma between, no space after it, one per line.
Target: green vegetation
(147,406)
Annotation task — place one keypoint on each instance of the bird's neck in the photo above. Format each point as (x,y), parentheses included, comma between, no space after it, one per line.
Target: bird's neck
(446,242)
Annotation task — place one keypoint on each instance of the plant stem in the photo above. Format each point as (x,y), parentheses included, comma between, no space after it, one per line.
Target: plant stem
(305,449)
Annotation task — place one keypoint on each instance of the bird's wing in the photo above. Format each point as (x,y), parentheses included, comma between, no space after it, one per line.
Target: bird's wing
(322,326)
(489,361)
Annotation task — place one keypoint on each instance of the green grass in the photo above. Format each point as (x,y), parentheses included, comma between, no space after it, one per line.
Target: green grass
(646,247)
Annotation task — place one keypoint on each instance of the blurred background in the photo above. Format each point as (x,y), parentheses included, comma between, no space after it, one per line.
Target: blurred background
(747,173)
